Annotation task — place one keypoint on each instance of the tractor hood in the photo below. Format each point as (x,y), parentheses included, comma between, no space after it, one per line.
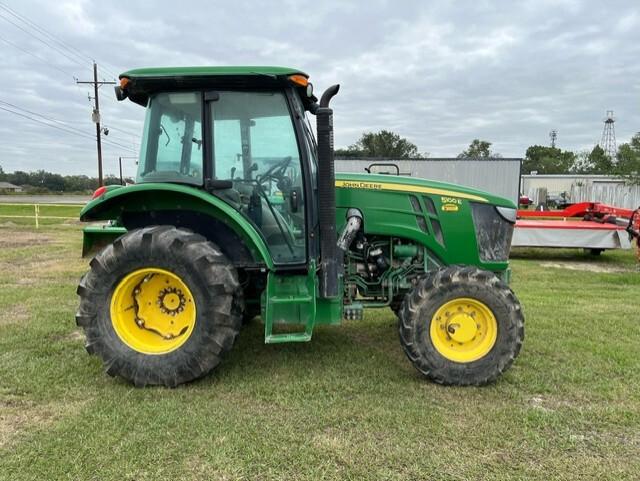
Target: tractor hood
(457,224)
(384,182)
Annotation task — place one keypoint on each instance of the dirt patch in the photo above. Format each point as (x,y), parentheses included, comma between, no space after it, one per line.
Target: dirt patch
(75,336)
(199,469)
(540,404)
(330,439)
(585,266)
(13,238)
(18,416)
(72,222)
(16,314)
(28,272)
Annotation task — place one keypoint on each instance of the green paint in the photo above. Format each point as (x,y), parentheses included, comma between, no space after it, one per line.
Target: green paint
(290,300)
(389,213)
(156,72)
(153,197)
(404,251)
(96,237)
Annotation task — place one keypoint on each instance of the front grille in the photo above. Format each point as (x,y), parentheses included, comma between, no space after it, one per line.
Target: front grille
(493,233)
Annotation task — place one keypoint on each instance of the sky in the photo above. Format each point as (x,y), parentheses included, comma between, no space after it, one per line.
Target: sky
(438,73)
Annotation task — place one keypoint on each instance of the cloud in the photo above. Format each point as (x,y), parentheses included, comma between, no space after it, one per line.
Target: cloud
(438,73)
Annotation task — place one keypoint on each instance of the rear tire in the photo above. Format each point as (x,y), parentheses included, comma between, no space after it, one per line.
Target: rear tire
(202,270)
(483,305)
(250,313)
(396,305)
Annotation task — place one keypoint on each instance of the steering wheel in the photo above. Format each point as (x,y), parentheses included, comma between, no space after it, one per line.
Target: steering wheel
(276,171)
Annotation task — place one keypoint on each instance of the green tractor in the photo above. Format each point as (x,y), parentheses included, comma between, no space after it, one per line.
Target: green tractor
(237,212)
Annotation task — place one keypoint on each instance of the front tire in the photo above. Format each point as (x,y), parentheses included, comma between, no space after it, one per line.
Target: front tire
(461,326)
(160,305)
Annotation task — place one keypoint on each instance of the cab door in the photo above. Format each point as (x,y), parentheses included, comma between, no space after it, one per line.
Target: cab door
(253,143)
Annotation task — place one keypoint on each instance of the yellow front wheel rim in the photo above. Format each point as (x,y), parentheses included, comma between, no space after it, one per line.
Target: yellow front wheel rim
(463,330)
(153,311)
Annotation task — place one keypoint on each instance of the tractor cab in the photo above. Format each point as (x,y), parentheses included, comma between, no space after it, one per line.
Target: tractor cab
(251,148)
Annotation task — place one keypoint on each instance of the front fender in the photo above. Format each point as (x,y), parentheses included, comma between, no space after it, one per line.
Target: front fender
(154,197)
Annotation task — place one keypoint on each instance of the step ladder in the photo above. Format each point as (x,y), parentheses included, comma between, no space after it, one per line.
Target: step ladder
(287,294)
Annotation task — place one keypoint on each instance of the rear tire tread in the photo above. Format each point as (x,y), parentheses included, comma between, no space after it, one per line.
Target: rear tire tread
(219,315)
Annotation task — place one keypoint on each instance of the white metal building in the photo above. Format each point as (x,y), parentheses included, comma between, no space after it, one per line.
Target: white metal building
(497,176)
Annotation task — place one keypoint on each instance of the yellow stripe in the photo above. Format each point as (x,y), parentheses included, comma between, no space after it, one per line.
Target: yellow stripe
(405,188)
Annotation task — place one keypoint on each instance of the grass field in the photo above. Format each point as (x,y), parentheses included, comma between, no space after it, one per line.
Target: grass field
(348,405)
(24,215)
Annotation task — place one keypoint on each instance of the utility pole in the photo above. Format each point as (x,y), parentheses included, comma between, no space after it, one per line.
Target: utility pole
(96,116)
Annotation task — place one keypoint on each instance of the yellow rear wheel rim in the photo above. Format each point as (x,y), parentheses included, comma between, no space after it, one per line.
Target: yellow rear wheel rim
(463,330)
(153,311)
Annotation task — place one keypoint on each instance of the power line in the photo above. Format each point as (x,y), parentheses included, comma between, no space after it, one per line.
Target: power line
(63,47)
(70,48)
(61,122)
(40,115)
(79,54)
(111,127)
(40,40)
(78,133)
(38,57)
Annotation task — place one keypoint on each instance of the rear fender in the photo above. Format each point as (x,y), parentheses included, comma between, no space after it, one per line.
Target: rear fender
(147,204)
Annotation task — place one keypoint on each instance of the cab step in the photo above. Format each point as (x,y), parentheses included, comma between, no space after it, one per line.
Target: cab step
(290,299)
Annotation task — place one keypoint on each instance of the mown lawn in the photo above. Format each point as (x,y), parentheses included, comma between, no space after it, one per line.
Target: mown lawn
(24,214)
(348,405)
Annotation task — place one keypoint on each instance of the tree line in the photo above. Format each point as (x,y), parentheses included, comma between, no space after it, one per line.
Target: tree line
(552,160)
(390,145)
(43,182)
(540,159)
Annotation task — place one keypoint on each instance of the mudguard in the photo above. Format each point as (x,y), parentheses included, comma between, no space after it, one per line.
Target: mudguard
(118,202)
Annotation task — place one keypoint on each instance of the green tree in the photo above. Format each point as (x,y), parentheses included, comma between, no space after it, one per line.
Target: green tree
(18,178)
(548,160)
(628,165)
(3,176)
(382,144)
(478,149)
(600,162)
(594,162)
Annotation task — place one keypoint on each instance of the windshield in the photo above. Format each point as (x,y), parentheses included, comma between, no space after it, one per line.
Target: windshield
(171,148)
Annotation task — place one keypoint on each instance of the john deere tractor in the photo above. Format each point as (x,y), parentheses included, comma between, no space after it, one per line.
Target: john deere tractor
(237,212)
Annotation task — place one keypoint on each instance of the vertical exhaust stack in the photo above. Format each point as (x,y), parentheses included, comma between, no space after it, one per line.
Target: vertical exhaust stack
(329,268)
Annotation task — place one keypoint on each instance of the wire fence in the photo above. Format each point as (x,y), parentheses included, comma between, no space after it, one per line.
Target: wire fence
(38,213)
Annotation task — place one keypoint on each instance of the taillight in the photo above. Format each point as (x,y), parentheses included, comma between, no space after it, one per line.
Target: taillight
(99,191)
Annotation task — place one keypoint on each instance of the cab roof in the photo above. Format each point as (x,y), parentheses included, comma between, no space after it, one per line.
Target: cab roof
(143,82)
(204,71)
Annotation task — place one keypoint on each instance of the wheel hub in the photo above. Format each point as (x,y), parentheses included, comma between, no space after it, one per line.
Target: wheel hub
(463,330)
(171,301)
(153,311)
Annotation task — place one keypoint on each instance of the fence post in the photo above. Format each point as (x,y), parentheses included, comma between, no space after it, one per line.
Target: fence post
(37,208)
